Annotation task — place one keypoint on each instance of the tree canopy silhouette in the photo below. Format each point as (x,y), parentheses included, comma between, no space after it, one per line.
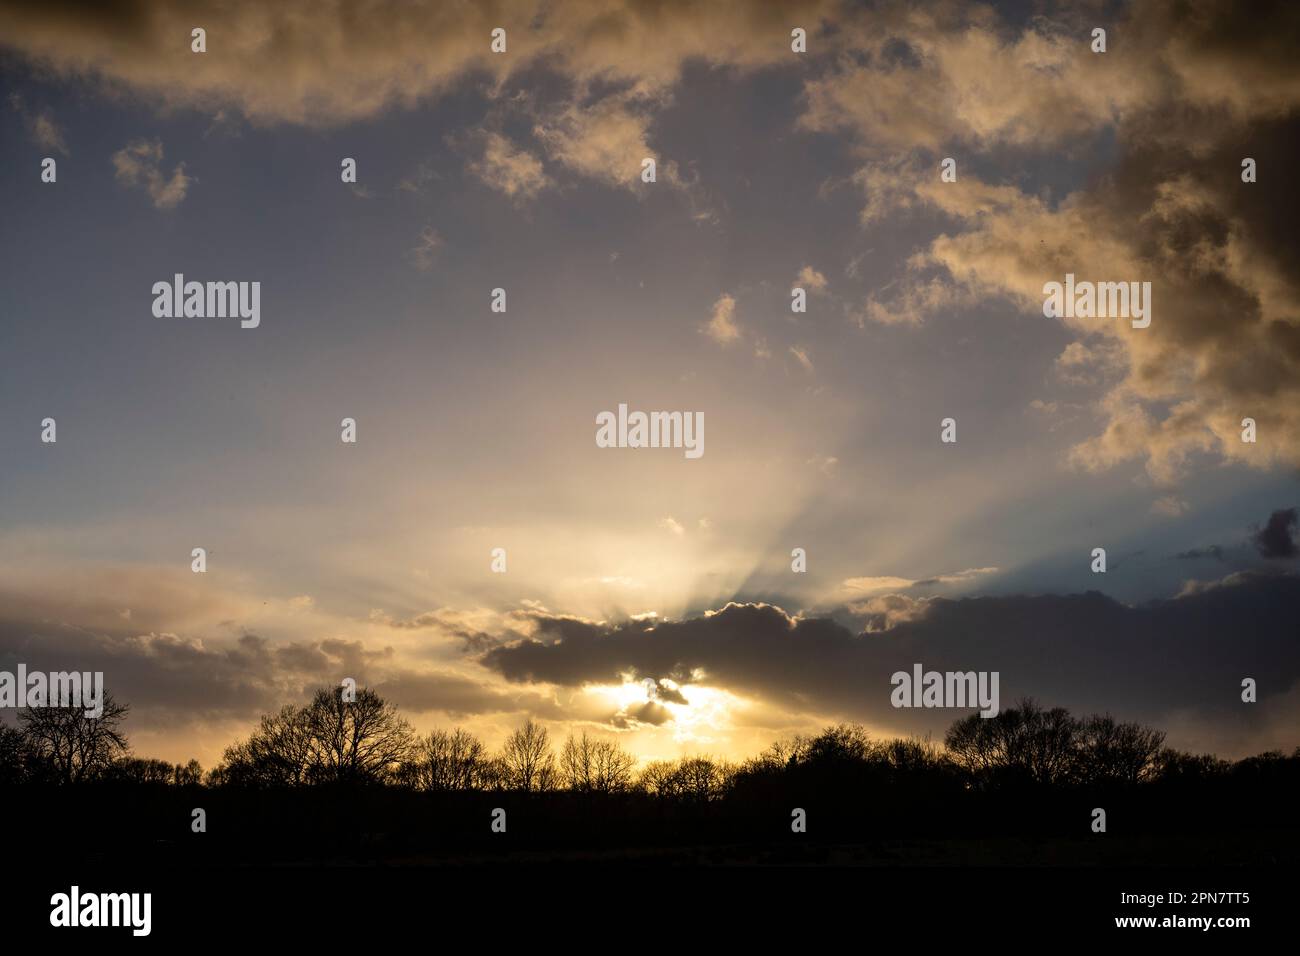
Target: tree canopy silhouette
(330,740)
(1028,743)
(75,746)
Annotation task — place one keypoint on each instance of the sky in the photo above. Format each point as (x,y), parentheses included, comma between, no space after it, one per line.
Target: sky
(775,169)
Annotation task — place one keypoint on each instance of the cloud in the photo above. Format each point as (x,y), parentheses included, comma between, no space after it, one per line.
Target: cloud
(722,327)
(826,464)
(605,140)
(608,143)
(1224,340)
(957,577)
(298,62)
(289,62)
(458,696)
(1170,506)
(48,135)
(671,525)
(886,611)
(801,355)
(1178,98)
(667,690)
(866,585)
(1085,651)
(812,280)
(916,299)
(477,628)
(1090,364)
(176,682)
(423,254)
(198,663)
(963,79)
(139,164)
(418,180)
(925,78)
(1195,554)
(1277,538)
(515,172)
(166,676)
(649,713)
(1154,662)
(41,127)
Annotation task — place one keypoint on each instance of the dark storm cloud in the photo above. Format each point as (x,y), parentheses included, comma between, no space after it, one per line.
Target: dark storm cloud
(448,623)
(164,673)
(652,713)
(665,691)
(459,696)
(1085,651)
(1277,538)
(166,678)
(1195,554)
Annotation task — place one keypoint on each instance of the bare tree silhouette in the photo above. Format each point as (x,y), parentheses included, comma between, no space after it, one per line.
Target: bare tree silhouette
(1025,742)
(595,766)
(702,779)
(1112,752)
(659,778)
(78,747)
(529,762)
(142,770)
(450,760)
(20,762)
(276,754)
(363,740)
(331,740)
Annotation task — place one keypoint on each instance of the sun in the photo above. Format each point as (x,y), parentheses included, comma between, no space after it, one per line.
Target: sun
(696,713)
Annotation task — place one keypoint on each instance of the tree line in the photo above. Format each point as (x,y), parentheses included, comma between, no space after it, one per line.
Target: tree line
(366,742)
